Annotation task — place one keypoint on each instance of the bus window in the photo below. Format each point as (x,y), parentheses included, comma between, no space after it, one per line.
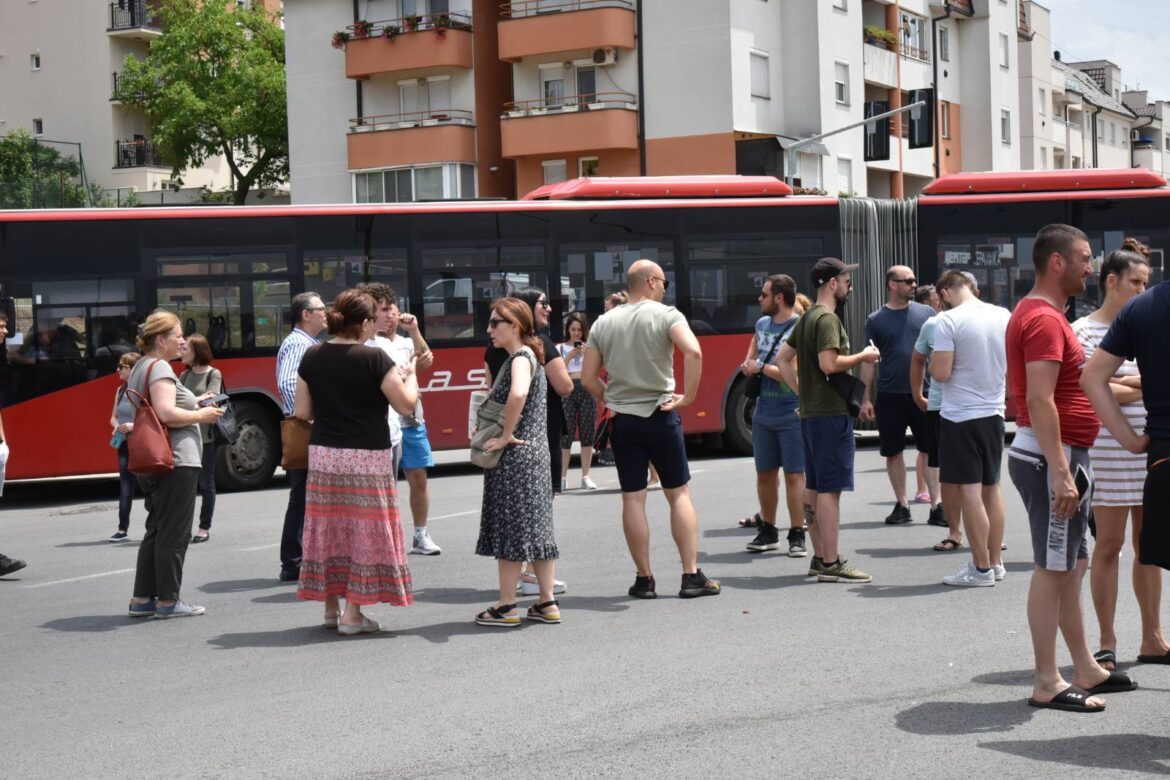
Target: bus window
(459,284)
(270,306)
(391,270)
(328,273)
(211,310)
(593,271)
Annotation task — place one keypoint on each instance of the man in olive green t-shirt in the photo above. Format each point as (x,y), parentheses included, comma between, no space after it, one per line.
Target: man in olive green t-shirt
(636,342)
(818,347)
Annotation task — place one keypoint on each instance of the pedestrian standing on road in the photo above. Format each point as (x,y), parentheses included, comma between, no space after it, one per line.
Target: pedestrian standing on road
(353,545)
(970,363)
(1120,474)
(776,439)
(7,565)
(927,480)
(308,316)
(818,347)
(636,343)
(516,522)
(414,455)
(580,407)
(204,381)
(893,329)
(170,499)
(604,453)
(1049,465)
(121,423)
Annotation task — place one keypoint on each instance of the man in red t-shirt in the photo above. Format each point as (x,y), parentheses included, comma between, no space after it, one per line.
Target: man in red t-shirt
(1049,465)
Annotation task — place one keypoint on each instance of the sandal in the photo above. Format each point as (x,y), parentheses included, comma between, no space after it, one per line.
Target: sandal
(537,612)
(948,545)
(1103,657)
(751,522)
(1071,699)
(495,616)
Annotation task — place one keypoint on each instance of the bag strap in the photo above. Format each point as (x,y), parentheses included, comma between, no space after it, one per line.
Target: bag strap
(779,339)
(143,400)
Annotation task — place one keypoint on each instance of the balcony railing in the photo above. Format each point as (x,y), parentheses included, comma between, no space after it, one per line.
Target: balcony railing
(137,154)
(133,15)
(431,118)
(913,52)
(392,28)
(522,8)
(589,101)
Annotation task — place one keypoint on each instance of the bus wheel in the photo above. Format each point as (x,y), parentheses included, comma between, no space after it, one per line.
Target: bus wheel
(737,435)
(249,463)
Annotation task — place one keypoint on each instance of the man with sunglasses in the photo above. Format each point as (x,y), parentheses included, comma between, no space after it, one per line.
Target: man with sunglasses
(636,344)
(893,329)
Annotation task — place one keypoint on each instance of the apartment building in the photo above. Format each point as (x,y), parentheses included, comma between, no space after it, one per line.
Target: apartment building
(1150,136)
(428,99)
(59,65)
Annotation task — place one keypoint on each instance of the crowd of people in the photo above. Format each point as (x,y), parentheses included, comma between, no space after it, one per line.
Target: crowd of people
(1091,449)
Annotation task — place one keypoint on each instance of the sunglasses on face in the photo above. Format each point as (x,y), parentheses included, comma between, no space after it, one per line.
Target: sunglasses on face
(496,322)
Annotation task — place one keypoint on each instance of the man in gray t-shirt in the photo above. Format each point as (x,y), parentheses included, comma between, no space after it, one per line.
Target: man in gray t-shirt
(635,342)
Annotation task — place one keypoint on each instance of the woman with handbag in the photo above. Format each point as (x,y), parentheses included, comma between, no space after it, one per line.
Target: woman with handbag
(170,494)
(352,540)
(204,382)
(516,520)
(121,423)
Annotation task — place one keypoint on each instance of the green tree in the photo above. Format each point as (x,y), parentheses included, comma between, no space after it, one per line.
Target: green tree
(214,84)
(35,175)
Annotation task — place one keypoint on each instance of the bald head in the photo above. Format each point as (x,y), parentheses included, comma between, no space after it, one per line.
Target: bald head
(644,279)
(900,284)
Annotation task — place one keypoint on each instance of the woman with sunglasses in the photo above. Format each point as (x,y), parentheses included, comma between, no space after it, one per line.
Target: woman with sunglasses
(515,523)
(122,422)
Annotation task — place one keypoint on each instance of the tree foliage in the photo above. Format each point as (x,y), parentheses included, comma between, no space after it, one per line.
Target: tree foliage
(35,175)
(213,84)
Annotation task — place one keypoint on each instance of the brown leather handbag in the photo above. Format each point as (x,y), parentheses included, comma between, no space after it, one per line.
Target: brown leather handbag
(149,443)
(294,443)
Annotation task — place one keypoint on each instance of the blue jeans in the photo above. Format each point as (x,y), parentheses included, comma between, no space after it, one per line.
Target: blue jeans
(128,483)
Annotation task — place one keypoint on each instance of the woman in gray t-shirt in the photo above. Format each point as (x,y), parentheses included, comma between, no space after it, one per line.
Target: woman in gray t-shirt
(171,497)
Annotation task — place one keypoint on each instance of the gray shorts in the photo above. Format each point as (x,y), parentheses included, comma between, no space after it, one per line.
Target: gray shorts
(1056,545)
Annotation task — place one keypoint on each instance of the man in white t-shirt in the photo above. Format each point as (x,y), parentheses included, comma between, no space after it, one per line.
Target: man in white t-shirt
(408,433)
(970,360)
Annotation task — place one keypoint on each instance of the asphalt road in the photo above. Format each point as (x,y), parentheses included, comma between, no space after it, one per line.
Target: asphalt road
(779,676)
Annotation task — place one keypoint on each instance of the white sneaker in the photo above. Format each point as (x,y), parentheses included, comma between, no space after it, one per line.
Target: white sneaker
(564,485)
(528,586)
(423,545)
(970,577)
(999,571)
(588,484)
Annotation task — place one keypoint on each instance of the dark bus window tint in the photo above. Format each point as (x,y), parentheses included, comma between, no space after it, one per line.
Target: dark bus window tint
(203,265)
(590,272)
(270,309)
(75,249)
(328,273)
(726,277)
(459,284)
(267,231)
(391,270)
(1002,265)
(213,310)
(481,226)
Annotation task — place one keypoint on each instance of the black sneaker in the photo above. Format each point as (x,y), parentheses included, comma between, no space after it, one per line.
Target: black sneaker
(901,514)
(643,587)
(816,567)
(697,584)
(937,517)
(796,543)
(290,575)
(10,565)
(767,539)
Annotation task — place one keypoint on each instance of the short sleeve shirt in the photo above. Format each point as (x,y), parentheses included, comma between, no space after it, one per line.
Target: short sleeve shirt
(345,383)
(974,332)
(637,350)
(186,443)
(1039,332)
(392,418)
(775,397)
(1140,332)
(893,332)
(817,330)
(925,346)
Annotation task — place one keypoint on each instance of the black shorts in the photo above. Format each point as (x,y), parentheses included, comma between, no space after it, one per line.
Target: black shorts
(1155,538)
(639,441)
(933,422)
(895,412)
(970,452)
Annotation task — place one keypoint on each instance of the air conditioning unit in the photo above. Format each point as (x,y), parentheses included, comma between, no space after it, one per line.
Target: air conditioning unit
(1134,135)
(606,56)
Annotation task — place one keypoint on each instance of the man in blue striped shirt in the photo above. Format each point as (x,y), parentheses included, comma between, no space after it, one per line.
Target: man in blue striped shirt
(308,316)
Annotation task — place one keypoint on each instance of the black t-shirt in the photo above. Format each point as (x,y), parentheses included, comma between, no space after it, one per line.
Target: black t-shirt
(345,383)
(495,358)
(1139,332)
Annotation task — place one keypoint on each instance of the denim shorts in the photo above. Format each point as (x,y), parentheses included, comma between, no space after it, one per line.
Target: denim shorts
(639,441)
(777,443)
(828,453)
(416,450)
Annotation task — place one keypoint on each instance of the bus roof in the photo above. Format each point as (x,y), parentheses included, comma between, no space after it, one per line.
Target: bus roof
(627,187)
(1076,180)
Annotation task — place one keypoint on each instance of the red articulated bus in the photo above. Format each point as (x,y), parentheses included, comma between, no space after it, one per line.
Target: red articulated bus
(76,283)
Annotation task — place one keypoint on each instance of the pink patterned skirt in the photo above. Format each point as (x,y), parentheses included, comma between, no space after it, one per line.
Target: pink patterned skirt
(352,540)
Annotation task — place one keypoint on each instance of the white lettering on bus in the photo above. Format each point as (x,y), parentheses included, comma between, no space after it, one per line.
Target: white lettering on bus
(440,382)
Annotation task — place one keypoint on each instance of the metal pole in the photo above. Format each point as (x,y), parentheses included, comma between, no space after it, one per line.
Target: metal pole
(789,155)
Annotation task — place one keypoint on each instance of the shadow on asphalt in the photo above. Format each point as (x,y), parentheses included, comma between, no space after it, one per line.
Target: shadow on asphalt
(903,552)
(102,543)
(871,591)
(1143,753)
(763,583)
(951,718)
(94,624)
(239,586)
(746,533)
(289,597)
(1016,677)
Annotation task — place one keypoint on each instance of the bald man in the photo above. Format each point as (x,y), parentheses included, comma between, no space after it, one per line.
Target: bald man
(635,343)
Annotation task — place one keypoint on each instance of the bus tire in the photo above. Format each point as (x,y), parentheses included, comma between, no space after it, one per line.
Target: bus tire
(250,462)
(737,433)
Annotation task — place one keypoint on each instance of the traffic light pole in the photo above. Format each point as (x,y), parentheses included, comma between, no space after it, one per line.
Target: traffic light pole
(790,152)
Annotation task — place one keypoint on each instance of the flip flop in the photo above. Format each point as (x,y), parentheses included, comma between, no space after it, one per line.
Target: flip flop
(1071,699)
(751,522)
(1154,659)
(1106,657)
(948,545)
(1116,682)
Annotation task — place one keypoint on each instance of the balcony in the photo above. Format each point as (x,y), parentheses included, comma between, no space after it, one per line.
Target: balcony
(138,153)
(880,65)
(604,120)
(414,138)
(136,19)
(409,43)
(535,27)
